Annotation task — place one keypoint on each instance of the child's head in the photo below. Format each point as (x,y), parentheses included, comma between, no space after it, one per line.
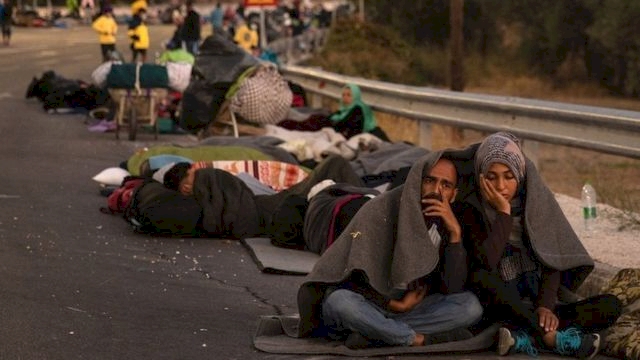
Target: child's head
(175,177)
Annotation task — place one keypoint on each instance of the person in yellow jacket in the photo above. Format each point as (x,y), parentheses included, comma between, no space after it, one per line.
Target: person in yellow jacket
(137,5)
(139,34)
(246,37)
(107,28)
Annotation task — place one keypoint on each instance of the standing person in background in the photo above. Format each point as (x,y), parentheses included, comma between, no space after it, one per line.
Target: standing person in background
(6,17)
(191,29)
(139,35)
(107,28)
(87,8)
(137,5)
(73,8)
(216,18)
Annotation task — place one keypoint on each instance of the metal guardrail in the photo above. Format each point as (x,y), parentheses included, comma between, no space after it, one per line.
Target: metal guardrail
(606,130)
(293,50)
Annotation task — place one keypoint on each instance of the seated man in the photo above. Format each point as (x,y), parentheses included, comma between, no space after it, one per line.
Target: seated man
(396,275)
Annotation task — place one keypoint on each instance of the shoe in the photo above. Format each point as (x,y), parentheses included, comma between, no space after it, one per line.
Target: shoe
(357,341)
(518,342)
(447,336)
(572,342)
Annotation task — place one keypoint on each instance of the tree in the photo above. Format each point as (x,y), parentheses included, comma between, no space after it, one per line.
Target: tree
(614,52)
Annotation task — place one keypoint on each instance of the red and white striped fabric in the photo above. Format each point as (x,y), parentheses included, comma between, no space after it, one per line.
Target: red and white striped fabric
(275,174)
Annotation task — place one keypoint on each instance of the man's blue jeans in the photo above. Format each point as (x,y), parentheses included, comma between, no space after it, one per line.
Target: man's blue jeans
(345,310)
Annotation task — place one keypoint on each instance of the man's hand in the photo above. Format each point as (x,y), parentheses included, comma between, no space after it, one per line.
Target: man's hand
(437,208)
(547,319)
(408,302)
(493,197)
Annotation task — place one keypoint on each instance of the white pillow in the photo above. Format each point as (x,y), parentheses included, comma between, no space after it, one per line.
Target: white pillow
(111,176)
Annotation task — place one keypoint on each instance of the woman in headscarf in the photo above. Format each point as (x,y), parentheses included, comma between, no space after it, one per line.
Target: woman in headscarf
(522,251)
(354,116)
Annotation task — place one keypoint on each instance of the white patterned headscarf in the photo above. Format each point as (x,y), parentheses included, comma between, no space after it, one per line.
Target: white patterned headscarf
(503,148)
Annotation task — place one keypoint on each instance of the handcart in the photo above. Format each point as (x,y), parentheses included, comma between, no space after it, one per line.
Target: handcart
(137,107)
(137,90)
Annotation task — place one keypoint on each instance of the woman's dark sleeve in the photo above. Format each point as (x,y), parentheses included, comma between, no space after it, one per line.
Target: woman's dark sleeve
(487,246)
(352,125)
(549,285)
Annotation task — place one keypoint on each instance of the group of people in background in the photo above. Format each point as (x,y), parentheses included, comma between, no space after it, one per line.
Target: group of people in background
(187,34)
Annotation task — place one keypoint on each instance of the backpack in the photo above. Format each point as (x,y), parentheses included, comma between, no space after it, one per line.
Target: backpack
(121,197)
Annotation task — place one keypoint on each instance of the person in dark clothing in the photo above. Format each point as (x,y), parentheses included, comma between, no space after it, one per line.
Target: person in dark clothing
(513,246)
(6,19)
(190,30)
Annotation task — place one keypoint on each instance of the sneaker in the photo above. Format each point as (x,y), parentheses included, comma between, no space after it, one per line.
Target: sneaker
(573,342)
(518,342)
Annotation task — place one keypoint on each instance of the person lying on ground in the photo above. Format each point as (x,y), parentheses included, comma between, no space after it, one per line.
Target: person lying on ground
(329,211)
(396,274)
(522,251)
(231,210)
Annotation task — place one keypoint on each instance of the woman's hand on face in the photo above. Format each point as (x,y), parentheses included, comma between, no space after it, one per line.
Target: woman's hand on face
(493,197)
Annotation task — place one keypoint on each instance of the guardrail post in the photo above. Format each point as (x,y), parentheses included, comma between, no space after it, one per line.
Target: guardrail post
(425,135)
(316,100)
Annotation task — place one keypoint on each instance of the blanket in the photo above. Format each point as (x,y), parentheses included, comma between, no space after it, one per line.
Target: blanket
(276,334)
(316,145)
(228,207)
(231,210)
(622,340)
(275,174)
(194,153)
(265,144)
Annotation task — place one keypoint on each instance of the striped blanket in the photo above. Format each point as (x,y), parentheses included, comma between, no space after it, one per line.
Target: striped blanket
(275,174)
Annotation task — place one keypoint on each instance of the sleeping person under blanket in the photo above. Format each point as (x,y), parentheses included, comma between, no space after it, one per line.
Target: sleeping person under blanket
(231,210)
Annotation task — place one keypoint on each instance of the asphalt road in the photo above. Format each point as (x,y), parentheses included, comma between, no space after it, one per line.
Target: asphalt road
(79,284)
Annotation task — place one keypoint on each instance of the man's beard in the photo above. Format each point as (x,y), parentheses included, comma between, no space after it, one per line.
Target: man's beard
(432,220)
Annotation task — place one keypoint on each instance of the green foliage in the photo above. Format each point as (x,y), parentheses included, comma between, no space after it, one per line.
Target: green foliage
(378,52)
(427,21)
(615,48)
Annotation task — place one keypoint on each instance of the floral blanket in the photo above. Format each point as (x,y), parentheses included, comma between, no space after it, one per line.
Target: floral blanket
(275,174)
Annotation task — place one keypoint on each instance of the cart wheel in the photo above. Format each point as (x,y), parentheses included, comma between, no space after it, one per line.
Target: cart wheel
(133,122)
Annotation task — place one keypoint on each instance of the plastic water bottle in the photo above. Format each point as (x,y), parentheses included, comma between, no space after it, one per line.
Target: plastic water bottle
(589,206)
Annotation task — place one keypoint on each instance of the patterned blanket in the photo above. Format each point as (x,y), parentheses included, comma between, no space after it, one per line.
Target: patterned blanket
(275,174)
(622,340)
